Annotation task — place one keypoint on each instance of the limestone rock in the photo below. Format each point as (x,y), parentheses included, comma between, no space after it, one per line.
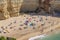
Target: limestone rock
(11,8)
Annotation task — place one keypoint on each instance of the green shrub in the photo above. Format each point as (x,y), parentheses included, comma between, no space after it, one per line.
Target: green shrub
(2,38)
(6,38)
(9,38)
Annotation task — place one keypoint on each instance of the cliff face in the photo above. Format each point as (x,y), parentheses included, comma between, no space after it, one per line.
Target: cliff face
(25,4)
(56,3)
(29,5)
(12,7)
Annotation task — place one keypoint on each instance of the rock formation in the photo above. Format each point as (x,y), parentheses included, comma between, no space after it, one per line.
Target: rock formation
(11,8)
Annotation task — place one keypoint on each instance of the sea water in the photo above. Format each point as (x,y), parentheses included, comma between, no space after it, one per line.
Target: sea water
(51,37)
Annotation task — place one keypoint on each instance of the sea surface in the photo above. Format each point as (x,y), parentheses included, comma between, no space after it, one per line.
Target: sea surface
(51,37)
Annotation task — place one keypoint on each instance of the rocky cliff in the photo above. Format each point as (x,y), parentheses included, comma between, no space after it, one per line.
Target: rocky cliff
(11,8)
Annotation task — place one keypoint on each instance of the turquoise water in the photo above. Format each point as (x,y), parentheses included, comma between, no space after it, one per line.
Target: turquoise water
(51,37)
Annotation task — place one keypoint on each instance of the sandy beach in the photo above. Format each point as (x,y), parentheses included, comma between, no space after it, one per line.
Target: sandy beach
(47,32)
(26,26)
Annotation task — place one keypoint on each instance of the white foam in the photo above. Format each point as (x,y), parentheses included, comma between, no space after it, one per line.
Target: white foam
(40,36)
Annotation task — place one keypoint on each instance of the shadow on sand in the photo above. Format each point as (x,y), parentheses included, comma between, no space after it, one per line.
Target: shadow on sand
(37,11)
(43,13)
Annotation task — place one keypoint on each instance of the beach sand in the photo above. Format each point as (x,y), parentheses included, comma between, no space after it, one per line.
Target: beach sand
(35,25)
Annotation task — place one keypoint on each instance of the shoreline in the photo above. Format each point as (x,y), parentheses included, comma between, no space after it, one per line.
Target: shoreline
(40,36)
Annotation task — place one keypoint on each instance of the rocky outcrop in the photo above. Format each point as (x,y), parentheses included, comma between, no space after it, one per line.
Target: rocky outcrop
(11,8)
(30,5)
